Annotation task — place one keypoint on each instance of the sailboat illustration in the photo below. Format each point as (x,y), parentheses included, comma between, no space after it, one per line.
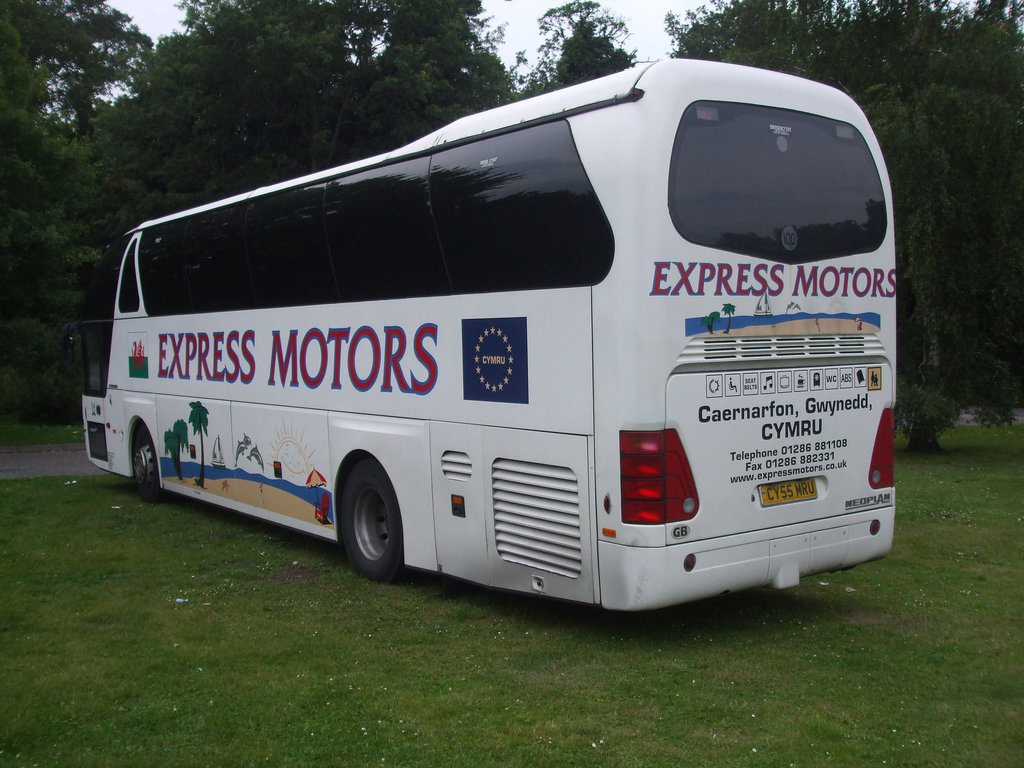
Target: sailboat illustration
(218,455)
(764,306)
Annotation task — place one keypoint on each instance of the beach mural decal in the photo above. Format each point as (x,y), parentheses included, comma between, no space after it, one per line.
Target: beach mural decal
(288,482)
(764,321)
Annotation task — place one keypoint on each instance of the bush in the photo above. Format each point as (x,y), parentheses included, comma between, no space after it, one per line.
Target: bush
(34,386)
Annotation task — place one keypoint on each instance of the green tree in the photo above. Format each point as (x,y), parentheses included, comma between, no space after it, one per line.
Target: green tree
(87,49)
(708,321)
(959,190)
(943,86)
(438,61)
(44,179)
(728,310)
(175,440)
(57,57)
(199,419)
(255,91)
(792,36)
(582,41)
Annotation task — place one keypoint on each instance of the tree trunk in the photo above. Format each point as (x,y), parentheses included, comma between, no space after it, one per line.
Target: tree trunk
(201,482)
(923,440)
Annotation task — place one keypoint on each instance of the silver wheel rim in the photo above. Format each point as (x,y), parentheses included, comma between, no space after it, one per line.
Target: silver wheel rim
(370,520)
(142,463)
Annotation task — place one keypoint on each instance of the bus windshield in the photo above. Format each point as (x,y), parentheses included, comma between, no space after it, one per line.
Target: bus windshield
(774,183)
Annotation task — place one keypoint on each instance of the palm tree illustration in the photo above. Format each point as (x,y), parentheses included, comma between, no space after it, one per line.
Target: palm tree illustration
(728,310)
(199,418)
(175,440)
(709,321)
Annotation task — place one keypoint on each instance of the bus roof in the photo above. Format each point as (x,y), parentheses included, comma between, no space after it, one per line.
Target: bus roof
(594,94)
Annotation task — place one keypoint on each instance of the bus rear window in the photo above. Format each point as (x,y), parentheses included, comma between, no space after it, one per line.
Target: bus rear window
(774,183)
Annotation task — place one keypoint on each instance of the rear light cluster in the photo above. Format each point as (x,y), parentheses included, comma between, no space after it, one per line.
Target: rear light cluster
(881,474)
(657,484)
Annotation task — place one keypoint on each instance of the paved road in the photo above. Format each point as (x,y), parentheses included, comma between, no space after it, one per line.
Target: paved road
(45,461)
(968,417)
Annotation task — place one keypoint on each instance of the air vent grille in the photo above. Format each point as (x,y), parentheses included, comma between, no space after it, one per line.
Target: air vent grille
(456,465)
(709,349)
(537,516)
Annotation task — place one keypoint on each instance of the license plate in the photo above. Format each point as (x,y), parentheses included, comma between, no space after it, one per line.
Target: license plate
(787,491)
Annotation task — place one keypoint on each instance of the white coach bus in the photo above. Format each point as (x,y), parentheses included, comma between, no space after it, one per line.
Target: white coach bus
(631,343)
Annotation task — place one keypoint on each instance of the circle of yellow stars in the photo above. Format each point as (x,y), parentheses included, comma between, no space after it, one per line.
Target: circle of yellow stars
(498,335)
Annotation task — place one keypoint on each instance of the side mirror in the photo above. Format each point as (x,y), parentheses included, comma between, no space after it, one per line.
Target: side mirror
(67,343)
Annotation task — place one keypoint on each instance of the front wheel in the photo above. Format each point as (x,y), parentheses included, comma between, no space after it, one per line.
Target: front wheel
(371,523)
(144,469)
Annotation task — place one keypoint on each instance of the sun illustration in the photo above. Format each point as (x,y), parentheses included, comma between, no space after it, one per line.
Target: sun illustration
(291,450)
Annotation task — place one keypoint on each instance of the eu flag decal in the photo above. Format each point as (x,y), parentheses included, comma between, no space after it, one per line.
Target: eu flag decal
(495,360)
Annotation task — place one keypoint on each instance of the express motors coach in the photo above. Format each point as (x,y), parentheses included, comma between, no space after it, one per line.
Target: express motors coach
(505,353)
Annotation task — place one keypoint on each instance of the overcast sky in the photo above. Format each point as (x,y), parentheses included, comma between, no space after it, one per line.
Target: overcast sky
(644,18)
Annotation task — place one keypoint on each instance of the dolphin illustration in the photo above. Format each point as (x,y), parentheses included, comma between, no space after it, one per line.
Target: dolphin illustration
(254,454)
(243,444)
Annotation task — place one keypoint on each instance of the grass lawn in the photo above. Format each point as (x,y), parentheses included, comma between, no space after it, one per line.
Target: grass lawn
(15,433)
(179,635)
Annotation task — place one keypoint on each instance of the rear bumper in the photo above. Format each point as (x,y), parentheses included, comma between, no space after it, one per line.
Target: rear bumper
(639,578)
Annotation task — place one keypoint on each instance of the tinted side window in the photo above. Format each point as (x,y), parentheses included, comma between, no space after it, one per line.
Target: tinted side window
(95,355)
(162,270)
(517,212)
(382,238)
(284,237)
(99,298)
(774,183)
(128,296)
(215,261)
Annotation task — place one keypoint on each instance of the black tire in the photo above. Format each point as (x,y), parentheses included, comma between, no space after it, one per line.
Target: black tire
(371,523)
(145,471)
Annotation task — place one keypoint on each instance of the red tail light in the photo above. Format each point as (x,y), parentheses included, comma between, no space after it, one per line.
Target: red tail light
(881,474)
(657,484)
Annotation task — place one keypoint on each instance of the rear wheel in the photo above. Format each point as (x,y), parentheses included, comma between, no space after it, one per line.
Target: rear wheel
(371,523)
(144,467)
